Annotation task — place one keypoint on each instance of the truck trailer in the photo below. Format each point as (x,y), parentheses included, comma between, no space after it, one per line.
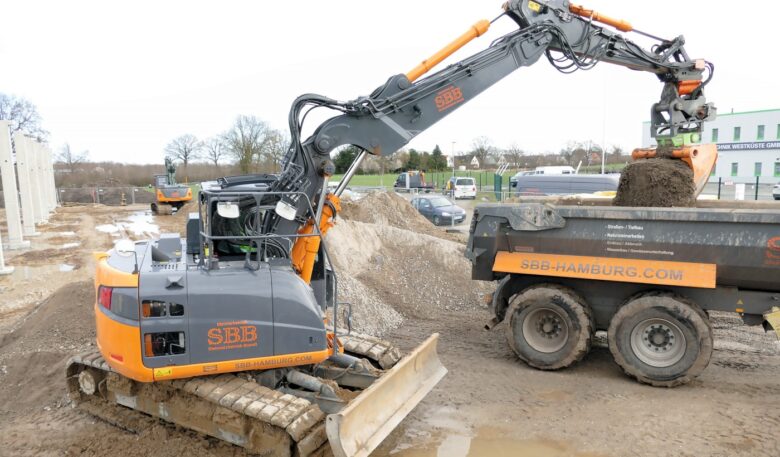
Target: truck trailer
(647,276)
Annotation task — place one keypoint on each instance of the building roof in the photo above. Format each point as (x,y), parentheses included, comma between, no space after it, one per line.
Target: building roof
(740,112)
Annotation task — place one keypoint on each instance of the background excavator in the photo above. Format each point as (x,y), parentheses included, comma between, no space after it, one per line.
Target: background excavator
(169,196)
(227,331)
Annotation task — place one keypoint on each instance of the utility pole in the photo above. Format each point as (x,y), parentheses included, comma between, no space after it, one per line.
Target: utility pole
(453,159)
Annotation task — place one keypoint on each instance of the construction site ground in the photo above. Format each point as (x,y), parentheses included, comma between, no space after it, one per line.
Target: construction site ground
(406,279)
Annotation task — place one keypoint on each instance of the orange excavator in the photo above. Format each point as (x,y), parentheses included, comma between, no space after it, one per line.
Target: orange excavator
(237,330)
(169,196)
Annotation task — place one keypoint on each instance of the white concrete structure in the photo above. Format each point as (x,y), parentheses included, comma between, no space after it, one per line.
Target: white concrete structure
(23,152)
(748,145)
(10,193)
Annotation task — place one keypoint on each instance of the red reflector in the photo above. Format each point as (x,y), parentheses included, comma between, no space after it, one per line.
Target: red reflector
(116,357)
(474,189)
(104,296)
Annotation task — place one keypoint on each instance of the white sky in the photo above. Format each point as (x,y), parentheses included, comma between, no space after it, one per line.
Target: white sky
(122,80)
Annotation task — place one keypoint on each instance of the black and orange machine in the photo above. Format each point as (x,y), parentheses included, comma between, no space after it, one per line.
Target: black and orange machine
(226,331)
(169,196)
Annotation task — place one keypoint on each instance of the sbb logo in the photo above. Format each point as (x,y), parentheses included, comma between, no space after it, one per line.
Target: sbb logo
(449,97)
(231,334)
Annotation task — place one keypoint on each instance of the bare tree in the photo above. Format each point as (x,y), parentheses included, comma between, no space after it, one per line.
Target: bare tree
(514,155)
(616,153)
(276,145)
(71,159)
(185,148)
(23,116)
(246,140)
(215,149)
(481,148)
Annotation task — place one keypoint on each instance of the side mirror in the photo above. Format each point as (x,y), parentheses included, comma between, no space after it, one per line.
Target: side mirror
(228,210)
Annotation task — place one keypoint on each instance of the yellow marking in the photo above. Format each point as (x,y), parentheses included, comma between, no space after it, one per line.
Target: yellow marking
(533,6)
(740,310)
(162,372)
(740,302)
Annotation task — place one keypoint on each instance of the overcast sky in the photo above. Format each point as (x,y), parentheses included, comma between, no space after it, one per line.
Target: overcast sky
(122,80)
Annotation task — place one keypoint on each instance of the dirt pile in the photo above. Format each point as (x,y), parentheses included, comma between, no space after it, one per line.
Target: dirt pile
(33,355)
(656,182)
(392,264)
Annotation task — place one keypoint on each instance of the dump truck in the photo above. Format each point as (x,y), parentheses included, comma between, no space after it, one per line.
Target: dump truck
(169,196)
(646,276)
(235,330)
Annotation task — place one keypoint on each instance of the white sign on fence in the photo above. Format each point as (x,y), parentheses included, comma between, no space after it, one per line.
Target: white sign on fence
(739,191)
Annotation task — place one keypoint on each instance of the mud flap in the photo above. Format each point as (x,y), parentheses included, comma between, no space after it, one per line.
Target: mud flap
(773,319)
(367,420)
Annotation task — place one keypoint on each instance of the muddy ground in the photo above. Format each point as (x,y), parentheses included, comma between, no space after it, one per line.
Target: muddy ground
(489,404)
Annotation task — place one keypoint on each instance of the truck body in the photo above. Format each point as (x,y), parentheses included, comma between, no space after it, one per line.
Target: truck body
(721,259)
(412,180)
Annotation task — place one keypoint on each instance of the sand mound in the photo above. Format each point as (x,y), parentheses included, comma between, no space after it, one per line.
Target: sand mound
(388,273)
(656,182)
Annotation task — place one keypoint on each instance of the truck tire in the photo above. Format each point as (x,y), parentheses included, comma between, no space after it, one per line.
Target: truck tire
(436,220)
(661,339)
(549,327)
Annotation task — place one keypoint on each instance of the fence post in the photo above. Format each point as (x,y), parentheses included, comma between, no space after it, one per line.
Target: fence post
(719,183)
(757,180)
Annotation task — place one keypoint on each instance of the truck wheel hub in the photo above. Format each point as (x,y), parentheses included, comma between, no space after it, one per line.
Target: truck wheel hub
(658,342)
(545,330)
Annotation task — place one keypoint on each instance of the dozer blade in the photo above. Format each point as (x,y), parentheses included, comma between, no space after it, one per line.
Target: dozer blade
(359,428)
(164,209)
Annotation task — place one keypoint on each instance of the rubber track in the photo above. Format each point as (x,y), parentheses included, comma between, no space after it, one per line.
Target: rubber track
(302,420)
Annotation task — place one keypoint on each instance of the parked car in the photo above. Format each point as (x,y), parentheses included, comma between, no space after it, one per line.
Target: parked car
(565,184)
(439,210)
(776,191)
(460,187)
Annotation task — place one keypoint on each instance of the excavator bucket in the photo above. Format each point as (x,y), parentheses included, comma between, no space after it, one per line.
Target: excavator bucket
(701,158)
(361,426)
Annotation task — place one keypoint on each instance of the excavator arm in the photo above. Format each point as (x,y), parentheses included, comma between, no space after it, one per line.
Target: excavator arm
(567,35)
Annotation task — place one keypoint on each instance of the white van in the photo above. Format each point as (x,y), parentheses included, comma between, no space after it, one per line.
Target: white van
(462,187)
(550,170)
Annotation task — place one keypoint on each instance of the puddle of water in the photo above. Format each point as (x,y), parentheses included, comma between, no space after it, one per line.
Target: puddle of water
(137,223)
(107,228)
(486,444)
(26,272)
(141,222)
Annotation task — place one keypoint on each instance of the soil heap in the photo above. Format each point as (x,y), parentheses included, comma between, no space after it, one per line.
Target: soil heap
(392,263)
(656,182)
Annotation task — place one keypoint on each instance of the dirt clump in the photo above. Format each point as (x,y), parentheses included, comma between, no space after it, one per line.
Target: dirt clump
(656,182)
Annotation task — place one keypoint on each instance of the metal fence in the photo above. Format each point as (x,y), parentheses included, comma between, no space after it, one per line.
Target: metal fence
(113,196)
